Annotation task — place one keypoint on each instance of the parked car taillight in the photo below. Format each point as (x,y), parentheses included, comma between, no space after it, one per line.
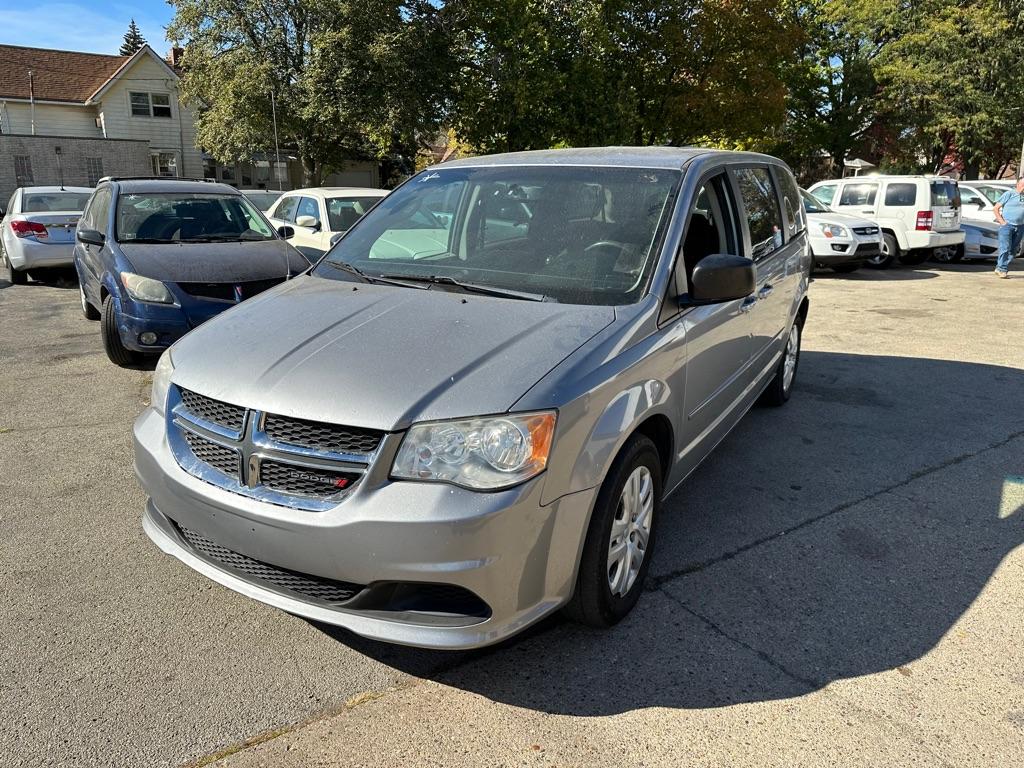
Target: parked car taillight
(924,220)
(28,228)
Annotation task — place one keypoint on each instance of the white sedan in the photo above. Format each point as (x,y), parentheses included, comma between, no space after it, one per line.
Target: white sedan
(976,202)
(839,240)
(319,215)
(38,228)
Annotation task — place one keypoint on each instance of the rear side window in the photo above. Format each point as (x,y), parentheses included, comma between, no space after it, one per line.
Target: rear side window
(901,194)
(286,209)
(795,222)
(945,193)
(858,194)
(761,206)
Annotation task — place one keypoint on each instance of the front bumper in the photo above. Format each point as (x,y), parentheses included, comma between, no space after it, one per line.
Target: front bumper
(515,554)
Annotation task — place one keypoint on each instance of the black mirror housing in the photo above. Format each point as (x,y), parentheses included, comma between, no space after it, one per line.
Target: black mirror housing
(286,231)
(719,278)
(90,237)
(336,237)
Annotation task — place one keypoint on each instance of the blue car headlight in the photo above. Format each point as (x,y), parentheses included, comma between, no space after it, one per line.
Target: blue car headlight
(146,289)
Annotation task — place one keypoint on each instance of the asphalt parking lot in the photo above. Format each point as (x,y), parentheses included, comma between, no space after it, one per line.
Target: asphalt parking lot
(839,584)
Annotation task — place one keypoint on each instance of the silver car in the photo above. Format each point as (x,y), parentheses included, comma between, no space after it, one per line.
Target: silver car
(38,228)
(441,444)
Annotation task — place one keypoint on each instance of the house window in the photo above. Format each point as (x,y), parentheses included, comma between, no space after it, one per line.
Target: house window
(23,170)
(150,104)
(165,164)
(227,173)
(94,170)
(210,169)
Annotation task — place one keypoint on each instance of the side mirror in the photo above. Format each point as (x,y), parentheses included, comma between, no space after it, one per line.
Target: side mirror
(286,232)
(719,278)
(90,237)
(981,204)
(336,237)
(311,222)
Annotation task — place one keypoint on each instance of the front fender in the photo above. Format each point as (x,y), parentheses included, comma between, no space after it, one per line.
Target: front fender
(595,449)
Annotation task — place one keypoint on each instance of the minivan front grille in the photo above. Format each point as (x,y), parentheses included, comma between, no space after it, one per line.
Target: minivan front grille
(306,585)
(229,291)
(215,411)
(305,481)
(219,457)
(281,460)
(319,436)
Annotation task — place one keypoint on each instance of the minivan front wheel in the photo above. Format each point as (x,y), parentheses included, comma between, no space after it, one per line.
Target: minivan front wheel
(118,353)
(620,540)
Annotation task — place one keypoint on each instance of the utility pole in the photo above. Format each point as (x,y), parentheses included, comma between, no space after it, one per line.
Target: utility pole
(277,147)
(32,102)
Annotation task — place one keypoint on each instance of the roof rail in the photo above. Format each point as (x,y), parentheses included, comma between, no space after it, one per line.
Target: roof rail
(155,178)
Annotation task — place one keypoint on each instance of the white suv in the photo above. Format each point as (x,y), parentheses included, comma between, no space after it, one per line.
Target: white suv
(917,214)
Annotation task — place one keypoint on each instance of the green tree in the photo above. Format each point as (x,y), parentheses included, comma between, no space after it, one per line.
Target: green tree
(347,79)
(133,40)
(542,73)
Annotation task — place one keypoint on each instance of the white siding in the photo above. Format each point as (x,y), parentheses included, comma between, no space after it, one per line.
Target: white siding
(164,134)
(51,119)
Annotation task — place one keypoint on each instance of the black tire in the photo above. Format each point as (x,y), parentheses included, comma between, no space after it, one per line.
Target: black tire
(116,351)
(916,257)
(593,602)
(778,392)
(845,269)
(949,255)
(88,310)
(890,252)
(16,277)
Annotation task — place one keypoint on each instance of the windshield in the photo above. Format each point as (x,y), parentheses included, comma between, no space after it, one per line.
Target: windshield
(343,212)
(39,202)
(184,217)
(577,235)
(262,200)
(812,204)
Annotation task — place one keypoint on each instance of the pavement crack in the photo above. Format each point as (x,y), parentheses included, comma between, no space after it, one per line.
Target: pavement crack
(767,658)
(655,583)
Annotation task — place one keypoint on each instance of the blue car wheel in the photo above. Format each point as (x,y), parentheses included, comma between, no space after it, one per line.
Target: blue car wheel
(118,353)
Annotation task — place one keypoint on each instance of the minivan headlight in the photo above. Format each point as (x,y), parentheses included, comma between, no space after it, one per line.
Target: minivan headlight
(834,230)
(146,289)
(483,454)
(161,382)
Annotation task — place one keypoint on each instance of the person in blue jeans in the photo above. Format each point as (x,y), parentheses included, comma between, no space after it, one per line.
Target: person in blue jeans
(1009,211)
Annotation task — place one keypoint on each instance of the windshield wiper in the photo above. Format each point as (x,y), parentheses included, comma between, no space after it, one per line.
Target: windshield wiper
(486,290)
(147,241)
(354,270)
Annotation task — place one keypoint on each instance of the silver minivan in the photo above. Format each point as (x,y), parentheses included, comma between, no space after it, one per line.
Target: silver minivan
(440,443)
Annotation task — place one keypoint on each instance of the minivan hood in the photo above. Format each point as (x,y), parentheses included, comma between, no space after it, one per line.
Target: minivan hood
(214,262)
(379,356)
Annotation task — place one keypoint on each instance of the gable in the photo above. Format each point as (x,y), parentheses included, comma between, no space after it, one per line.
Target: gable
(68,76)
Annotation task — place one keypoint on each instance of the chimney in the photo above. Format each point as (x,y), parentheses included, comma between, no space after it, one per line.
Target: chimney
(174,57)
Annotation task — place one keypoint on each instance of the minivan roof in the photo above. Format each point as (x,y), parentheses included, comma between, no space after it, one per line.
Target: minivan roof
(626,157)
(170,185)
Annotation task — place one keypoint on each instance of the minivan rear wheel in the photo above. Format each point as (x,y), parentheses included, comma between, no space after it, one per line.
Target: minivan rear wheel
(777,393)
(118,353)
(620,540)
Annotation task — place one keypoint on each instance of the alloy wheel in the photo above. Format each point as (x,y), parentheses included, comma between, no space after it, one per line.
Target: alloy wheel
(792,352)
(631,531)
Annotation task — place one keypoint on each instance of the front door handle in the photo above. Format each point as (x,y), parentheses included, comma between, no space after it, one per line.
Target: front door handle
(765,291)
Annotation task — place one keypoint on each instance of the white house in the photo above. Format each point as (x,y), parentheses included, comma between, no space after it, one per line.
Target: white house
(75,117)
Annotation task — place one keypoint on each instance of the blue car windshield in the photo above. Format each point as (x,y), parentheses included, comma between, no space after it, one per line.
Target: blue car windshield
(177,217)
(572,234)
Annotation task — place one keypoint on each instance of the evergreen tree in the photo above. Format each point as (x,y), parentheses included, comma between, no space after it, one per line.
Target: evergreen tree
(133,40)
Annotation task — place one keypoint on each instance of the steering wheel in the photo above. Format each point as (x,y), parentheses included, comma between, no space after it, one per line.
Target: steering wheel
(604,244)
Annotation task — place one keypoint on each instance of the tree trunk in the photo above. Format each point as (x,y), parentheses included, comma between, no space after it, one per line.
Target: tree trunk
(310,172)
(971,169)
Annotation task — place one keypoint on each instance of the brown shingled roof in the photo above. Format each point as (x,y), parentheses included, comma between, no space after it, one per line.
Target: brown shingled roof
(56,75)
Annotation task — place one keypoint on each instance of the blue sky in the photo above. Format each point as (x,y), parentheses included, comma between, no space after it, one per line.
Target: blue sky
(82,25)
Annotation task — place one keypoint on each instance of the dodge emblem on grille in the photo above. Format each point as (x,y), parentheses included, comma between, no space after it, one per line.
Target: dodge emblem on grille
(337,482)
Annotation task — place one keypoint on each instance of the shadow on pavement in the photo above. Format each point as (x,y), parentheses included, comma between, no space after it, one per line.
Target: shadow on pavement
(839,536)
